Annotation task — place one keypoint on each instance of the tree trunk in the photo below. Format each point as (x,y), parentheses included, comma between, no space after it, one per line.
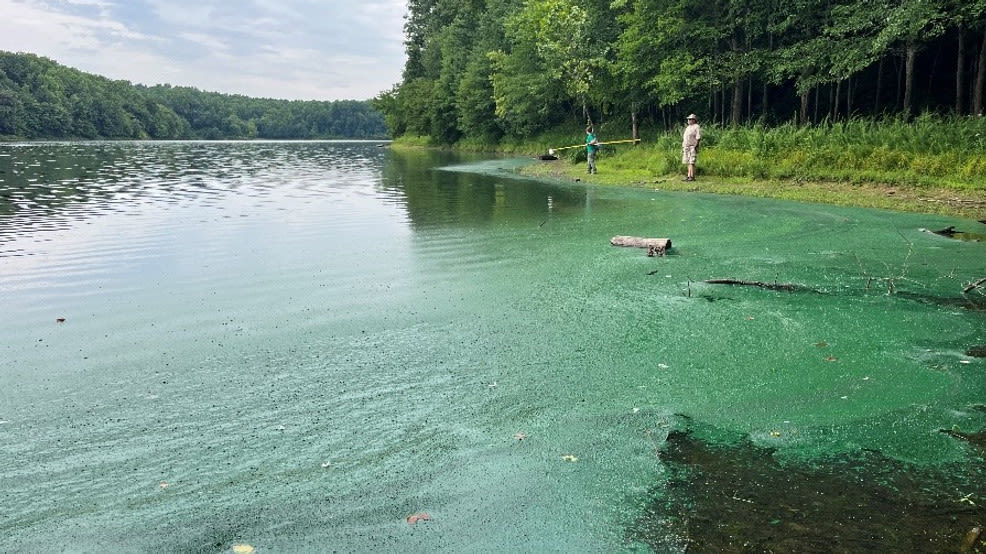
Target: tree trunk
(960,74)
(900,83)
(831,110)
(879,87)
(849,98)
(737,107)
(977,93)
(804,109)
(838,96)
(749,99)
(722,105)
(910,55)
(818,96)
(635,130)
(764,104)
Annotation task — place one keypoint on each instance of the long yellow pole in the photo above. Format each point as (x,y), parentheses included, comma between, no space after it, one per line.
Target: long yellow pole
(619,141)
(552,150)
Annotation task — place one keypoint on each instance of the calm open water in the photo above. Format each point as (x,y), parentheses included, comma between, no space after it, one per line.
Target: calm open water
(295,346)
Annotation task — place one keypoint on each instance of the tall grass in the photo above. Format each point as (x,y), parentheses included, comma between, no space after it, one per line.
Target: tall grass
(929,150)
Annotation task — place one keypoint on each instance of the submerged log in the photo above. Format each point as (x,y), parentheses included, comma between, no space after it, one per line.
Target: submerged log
(761,284)
(655,247)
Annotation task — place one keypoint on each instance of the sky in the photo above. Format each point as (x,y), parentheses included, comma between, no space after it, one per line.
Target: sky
(288,49)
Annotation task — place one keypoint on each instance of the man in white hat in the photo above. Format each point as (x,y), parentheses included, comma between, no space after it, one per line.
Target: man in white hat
(689,145)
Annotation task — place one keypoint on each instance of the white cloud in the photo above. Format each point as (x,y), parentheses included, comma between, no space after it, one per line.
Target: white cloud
(298,49)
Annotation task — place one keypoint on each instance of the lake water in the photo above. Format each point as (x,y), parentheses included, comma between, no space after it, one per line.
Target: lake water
(295,346)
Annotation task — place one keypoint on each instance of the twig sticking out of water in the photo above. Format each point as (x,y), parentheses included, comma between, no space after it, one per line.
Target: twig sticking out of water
(890,281)
(973,285)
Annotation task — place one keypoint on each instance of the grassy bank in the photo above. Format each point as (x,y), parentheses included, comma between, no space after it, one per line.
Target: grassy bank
(927,165)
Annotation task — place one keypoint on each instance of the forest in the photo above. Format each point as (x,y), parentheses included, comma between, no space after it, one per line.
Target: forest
(41,99)
(492,71)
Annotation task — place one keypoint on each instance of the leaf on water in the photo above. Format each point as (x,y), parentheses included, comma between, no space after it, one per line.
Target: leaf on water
(831,358)
(821,344)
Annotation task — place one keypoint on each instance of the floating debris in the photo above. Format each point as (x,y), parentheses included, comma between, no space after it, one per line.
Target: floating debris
(970,539)
(570,458)
(243,548)
(420,516)
(164,485)
(59,320)
(977,351)
(520,436)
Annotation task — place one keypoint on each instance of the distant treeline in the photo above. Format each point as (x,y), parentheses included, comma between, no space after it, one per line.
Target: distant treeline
(41,99)
(510,69)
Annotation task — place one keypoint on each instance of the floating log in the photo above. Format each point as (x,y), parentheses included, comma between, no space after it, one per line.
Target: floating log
(655,247)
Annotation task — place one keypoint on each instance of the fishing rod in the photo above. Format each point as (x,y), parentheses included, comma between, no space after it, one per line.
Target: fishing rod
(551,151)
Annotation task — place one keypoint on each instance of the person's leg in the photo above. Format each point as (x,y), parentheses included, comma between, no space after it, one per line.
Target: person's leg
(688,158)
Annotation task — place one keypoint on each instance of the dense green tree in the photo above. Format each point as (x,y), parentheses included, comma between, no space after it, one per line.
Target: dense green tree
(42,99)
(734,60)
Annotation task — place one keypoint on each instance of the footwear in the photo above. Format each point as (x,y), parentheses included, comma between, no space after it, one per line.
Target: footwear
(688,179)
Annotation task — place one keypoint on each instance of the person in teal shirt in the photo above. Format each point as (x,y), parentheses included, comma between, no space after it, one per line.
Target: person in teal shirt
(591,147)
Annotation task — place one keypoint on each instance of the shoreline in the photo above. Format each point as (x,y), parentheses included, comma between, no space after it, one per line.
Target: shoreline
(970,204)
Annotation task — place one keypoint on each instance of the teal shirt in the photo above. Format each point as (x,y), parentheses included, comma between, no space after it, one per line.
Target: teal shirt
(590,148)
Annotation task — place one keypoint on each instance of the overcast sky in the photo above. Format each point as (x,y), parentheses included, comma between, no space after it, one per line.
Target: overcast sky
(294,49)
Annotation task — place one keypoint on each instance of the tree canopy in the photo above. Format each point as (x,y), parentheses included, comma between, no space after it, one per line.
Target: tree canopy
(40,98)
(515,68)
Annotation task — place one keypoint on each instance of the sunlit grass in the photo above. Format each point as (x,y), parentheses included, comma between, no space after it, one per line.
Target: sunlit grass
(929,164)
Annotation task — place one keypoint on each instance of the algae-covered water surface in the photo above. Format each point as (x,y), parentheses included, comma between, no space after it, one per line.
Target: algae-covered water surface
(332,346)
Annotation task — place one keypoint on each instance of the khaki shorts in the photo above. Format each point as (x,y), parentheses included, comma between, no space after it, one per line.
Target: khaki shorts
(688,155)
